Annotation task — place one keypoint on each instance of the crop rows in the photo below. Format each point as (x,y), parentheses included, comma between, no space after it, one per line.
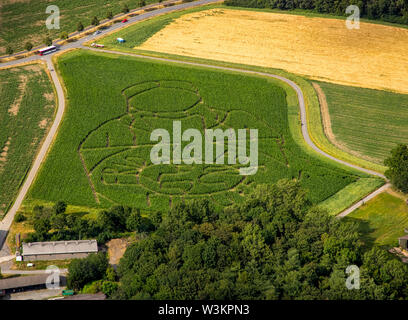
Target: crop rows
(102,153)
(26,110)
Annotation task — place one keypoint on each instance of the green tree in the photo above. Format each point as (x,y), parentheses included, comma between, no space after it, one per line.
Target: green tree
(397,165)
(48,41)
(95,21)
(28,46)
(142,3)
(109,288)
(83,271)
(125,9)
(80,26)
(64,35)
(9,50)
(109,15)
(20,217)
(42,227)
(60,207)
(134,221)
(110,274)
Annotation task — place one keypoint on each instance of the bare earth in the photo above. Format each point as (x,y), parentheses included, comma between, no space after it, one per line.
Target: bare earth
(375,56)
(116,250)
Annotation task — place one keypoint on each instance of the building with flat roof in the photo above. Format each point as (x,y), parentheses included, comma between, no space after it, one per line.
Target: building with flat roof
(58,250)
(23,283)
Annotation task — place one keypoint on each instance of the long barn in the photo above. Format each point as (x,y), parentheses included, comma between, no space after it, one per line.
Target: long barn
(58,250)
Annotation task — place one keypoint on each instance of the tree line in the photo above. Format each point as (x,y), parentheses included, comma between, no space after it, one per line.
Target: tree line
(273,246)
(395,11)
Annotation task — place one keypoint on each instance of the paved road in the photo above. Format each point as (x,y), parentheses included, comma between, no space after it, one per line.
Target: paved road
(6,223)
(363,201)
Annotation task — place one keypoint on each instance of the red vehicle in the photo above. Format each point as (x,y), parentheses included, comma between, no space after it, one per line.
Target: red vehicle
(124,20)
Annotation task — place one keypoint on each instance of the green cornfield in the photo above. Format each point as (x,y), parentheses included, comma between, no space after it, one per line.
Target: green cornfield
(101,156)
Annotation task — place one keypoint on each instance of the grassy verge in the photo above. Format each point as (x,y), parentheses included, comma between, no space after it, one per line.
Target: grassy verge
(350,194)
(382,220)
(137,33)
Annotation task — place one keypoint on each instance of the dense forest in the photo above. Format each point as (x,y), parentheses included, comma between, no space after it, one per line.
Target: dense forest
(395,11)
(273,246)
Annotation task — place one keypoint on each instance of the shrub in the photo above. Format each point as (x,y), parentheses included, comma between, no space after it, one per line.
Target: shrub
(9,50)
(109,15)
(60,207)
(142,3)
(64,35)
(28,46)
(83,271)
(48,41)
(95,21)
(109,287)
(19,217)
(80,26)
(125,9)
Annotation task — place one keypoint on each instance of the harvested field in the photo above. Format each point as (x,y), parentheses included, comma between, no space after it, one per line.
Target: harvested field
(317,47)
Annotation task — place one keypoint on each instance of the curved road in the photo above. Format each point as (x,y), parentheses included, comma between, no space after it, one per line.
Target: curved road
(6,223)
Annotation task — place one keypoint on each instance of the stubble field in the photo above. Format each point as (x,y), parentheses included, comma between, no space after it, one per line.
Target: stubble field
(373,56)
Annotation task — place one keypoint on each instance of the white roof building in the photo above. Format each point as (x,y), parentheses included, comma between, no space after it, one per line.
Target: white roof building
(71,247)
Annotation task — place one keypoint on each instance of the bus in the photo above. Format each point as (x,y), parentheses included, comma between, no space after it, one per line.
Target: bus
(47,50)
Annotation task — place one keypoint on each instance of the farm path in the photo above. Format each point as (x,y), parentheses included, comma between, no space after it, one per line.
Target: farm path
(6,223)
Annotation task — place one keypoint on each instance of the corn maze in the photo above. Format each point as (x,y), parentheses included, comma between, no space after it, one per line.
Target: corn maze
(101,156)
(115,155)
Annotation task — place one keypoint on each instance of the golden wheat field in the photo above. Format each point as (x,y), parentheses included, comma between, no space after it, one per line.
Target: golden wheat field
(375,56)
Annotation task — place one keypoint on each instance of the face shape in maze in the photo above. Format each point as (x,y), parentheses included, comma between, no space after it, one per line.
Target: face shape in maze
(116,154)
